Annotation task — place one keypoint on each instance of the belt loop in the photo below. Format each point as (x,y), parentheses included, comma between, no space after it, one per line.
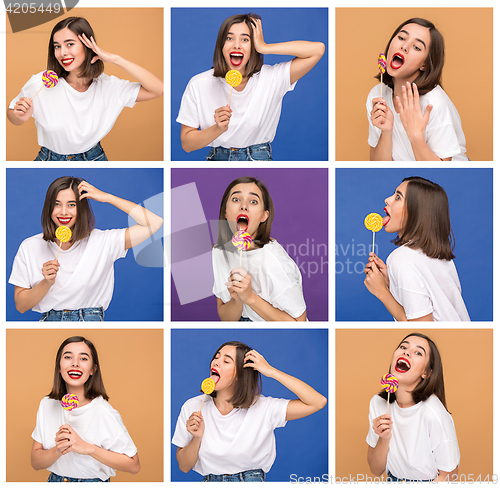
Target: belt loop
(80,313)
(49,155)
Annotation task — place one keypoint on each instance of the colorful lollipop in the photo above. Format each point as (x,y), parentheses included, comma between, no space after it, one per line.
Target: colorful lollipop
(207,387)
(374,222)
(382,65)
(49,80)
(233,78)
(390,384)
(69,402)
(242,240)
(63,233)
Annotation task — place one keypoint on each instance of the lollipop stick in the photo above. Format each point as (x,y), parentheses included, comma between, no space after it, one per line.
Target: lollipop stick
(381,75)
(37,93)
(68,418)
(204,396)
(241,253)
(388,396)
(230,93)
(58,256)
(373,243)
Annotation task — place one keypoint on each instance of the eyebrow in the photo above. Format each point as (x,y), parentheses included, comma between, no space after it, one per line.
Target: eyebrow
(67,40)
(420,347)
(243,34)
(250,193)
(69,201)
(71,352)
(417,39)
(399,193)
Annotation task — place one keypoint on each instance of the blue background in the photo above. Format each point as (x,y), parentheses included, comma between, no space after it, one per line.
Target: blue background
(363,191)
(138,291)
(302,445)
(304,115)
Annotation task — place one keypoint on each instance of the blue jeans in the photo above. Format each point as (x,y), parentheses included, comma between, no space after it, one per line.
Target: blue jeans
(245,319)
(257,152)
(250,475)
(80,315)
(55,478)
(96,153)
(392,478)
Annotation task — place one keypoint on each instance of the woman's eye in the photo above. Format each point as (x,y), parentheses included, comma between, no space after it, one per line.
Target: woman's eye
(254,202)
(417,48)
(401,38)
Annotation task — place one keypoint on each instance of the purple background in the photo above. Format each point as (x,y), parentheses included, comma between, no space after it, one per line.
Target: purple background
(300,199)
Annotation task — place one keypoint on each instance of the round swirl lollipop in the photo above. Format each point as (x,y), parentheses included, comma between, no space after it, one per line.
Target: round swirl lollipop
(207,387)
(382,66)
(374,222)
(242,240)
(63,233)
(49,80)
(390,384)
(233,78)
(69,402)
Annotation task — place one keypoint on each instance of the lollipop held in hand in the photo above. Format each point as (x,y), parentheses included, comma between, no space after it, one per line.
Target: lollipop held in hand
(374,222)
(69,402)
(382,66)
(242,240)
(390,384)
(208,386)
(49,80)
(63,233)
(233,78)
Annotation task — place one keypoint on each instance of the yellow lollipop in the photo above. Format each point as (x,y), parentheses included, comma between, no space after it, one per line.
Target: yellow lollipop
(63,233)
(207,387)
(233,78)
(374,222)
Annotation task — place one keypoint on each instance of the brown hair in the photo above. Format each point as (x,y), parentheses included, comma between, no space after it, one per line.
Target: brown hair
(79,26)
(430,76)
(248,380)
(433,383)
(256,59)
(263,235)
(427,221)
(94,386)
(85,220)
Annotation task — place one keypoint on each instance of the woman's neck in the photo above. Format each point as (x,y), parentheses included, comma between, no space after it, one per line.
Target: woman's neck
(398,86)
(79,84)
(79,391)
(404,397)
(222,403)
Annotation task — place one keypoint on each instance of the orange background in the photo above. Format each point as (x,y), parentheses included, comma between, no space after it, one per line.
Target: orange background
(362,33)
(134,33)
(363,356)
(132,369)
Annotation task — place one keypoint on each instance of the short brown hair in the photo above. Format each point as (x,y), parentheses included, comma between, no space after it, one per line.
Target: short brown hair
(248,380)
(85,220)
(430,77)
(93,387)
(433,383)
(263,235)
(427,219)
(256,59)
(79,26)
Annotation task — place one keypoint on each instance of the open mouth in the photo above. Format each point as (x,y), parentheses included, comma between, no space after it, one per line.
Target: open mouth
(242,222)
(402,365)
(386,218)
(67,62)
(64,220)
(214,374)
(397,61)
(74,374)
(236,58)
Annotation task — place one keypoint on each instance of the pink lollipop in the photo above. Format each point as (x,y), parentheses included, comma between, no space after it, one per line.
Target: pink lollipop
(49,80)
(390,384)
(382,66)
(69,402)
(242,240)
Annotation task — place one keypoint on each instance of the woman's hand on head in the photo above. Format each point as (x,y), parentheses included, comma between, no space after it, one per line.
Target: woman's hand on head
(67,440)
(257,362)
(240,285)
(258,36)
(383,426)
(195,425)
(86,190)
(101,54)
(222,116)
(381,115)
(412,118)
(49,271)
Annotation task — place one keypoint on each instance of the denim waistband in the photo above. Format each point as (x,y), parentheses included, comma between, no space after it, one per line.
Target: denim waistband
(80,315)
(92,154)
(255,152)
(55,478)
(250,475)
(391,477)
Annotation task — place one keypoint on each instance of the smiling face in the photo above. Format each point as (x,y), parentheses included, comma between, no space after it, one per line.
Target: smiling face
(68,50)
(223,367)
(237,47)
(245,208)
(395,209)
(408,52)
(64,211)
(410,360)
(76,365)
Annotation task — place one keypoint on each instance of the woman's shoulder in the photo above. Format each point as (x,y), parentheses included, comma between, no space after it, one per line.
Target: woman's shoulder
(433,404)
(405,254)
(32,241)
(203,78)
(47,403)
(193,404)
(439,100)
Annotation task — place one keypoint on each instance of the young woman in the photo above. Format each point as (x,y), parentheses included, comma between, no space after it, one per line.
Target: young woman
(74,280)
(416,440)
(244,130)
(267,285)
(414,120)
(94,443)
(72,117)
(420,281)
(232,437)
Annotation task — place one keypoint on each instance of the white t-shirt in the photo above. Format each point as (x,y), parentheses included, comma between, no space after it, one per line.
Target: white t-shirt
(275,277)
(71,122)
(443,134)
(241,440)
(423,438)
(423,285)
(256,109)
(96,423)
(85,277)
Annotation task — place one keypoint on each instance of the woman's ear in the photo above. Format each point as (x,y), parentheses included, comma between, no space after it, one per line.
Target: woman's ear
(264,217)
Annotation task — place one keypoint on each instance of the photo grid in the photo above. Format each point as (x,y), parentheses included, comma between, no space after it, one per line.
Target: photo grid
(191,166)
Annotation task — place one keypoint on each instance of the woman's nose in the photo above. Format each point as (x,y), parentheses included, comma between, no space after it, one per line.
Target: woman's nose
(243,206)
(404,48)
